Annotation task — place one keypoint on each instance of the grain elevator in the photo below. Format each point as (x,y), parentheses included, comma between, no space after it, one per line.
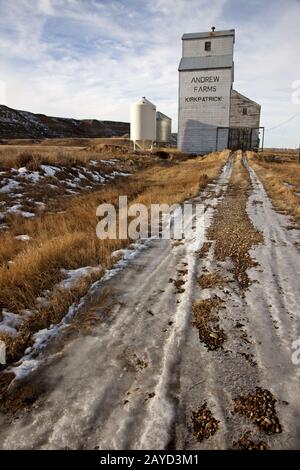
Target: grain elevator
(213,116)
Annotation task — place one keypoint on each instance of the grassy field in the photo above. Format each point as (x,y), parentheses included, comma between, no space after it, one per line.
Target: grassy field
(60,151)
(280,174)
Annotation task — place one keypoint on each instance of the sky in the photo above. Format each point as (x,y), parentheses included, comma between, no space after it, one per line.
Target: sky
(93,58)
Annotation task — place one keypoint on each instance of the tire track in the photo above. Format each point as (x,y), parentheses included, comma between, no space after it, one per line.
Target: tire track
(256,349)
(117,387)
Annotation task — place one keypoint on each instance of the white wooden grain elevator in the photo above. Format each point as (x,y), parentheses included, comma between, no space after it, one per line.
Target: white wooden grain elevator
(213,116)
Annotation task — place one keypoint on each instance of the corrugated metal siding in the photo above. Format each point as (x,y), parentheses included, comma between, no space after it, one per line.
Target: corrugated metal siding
(209,34)
(205,63)
(196,47)
(163,128)
(160,115)
(198,120)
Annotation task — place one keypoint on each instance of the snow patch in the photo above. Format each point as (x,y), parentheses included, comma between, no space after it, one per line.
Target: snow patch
(41,205)
(288,185)
(117,253)
(114,174)
(73,275)
(32,176)
(16,210)
(10,323)
(10,186)
(49,170)
(23,238)
(110,162)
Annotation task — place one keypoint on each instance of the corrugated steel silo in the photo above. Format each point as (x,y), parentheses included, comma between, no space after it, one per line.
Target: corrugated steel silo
(143,123)
(163,128)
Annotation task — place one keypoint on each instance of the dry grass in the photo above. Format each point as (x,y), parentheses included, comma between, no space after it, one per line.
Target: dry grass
(51,192)
(273,154)
(69,241)
(32,156)
(18,156)
(62,152)
(70,152)
(66,141)
(281,179)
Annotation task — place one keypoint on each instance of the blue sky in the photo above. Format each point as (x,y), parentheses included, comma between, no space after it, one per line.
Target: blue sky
(93,58)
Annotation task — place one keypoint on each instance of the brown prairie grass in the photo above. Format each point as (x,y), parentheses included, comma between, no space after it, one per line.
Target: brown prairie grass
(66,141)
(70,152)
(279,155)
(69,241)
(33,156)
(66,153)
(281,181)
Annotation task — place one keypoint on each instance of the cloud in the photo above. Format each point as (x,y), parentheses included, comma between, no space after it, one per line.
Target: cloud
(92,58)
(2,92)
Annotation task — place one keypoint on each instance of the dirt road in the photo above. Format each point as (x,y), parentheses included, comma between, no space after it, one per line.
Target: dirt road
(194,347)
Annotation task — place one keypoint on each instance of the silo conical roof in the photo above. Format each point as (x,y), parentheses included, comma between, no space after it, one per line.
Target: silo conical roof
(160,115)
(144,100)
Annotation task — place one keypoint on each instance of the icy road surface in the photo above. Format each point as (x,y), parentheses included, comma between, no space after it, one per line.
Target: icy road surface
(134,380)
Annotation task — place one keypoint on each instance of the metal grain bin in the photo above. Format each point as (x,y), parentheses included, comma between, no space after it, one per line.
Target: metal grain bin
(143,123)
(163,128)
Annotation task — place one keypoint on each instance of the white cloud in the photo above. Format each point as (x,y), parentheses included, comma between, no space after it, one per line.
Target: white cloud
(92,59)
(2,92)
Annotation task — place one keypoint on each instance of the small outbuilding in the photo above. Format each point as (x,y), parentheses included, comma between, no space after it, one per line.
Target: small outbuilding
(244,122)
